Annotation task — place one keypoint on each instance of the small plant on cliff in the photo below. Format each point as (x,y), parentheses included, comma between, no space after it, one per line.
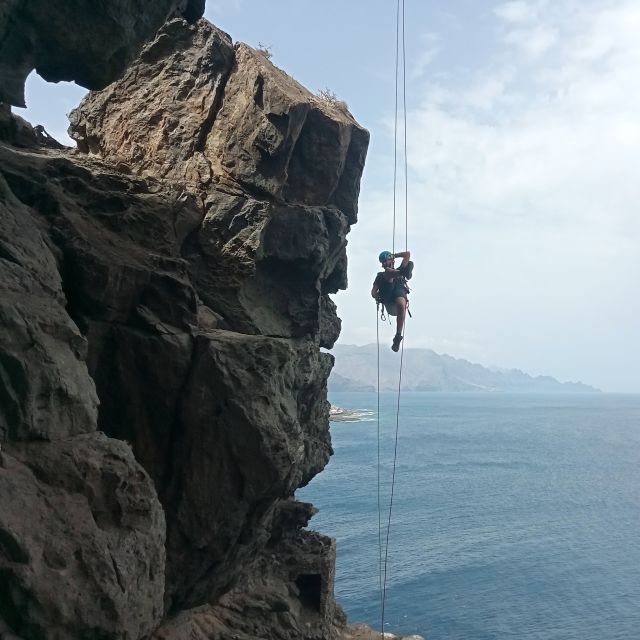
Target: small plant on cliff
(328,96)
(265,50)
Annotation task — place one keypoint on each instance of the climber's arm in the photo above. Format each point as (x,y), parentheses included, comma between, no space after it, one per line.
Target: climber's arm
(405,255)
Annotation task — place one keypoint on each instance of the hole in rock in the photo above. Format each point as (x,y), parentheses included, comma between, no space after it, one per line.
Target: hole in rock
(48,104)
(310,586)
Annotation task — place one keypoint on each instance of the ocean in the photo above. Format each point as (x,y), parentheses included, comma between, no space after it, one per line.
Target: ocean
(514,516)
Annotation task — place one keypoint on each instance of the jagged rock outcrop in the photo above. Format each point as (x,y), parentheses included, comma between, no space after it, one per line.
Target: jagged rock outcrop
(19,132)
(46,392)
(230,120)
(82,533)
(285,592)
(277,170)
(81,540)
(156,119)
(86,41)
(178,269)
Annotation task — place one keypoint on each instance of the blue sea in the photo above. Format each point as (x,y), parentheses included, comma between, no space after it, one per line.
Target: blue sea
(514,516)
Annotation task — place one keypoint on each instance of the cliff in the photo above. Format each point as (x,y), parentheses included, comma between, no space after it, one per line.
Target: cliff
(425,370)
(164,298)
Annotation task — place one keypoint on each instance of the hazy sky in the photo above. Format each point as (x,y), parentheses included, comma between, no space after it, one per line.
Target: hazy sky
(524,148)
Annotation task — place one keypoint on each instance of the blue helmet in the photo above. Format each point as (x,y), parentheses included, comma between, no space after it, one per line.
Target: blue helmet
(384,256)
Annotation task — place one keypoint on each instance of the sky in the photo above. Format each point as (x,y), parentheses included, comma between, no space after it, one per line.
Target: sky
(523,129)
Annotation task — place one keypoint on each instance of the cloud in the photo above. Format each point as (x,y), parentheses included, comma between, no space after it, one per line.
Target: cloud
(518,11)
(484,93)
(429,46)
(561,143)
(523,196)
(534,41)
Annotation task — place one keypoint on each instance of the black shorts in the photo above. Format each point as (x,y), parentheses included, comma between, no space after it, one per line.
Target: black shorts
(398,291)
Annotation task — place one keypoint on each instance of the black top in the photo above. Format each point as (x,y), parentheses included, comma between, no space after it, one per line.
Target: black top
(389,290)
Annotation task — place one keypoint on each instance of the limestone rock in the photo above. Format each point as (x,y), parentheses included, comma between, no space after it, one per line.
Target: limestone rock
(188,111)
(45,390)
(15,129)
(206,114)
(84,41)
(156,119)
(81,529)
(264,266)
(285,593)
(275,138)
(225,423)
(179,265)
(253,429)
(81,541)
(330,323)
(116,246)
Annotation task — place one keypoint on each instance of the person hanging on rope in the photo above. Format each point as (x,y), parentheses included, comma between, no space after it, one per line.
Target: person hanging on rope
(390,289)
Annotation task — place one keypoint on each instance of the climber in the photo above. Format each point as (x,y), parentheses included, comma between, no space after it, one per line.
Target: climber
(390,289)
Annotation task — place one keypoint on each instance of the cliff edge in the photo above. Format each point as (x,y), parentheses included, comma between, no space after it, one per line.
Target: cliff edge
(164,297)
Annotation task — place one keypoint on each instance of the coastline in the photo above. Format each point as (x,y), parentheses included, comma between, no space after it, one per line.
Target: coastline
(341,414)
(361,631)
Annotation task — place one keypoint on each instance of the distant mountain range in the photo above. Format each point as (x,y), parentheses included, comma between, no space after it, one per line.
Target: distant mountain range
(425,370)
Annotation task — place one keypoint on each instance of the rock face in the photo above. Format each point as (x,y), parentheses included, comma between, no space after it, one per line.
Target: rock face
(81,540)
(248,141)
(231,121)
(286,592)
(85,41)
(82,533)
(169,285)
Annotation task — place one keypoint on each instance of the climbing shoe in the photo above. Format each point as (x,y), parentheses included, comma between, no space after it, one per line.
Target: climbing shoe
(396,342)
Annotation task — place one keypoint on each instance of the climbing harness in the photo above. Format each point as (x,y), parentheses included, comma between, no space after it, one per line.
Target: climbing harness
(383,558)
(381,308)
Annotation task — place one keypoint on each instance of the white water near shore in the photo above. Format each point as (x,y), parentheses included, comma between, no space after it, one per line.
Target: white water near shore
(340,414)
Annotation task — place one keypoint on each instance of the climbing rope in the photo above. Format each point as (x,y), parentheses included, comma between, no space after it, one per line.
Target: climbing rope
(395,131)
(393,481)
(379,503)
(404,115)
(400,36)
